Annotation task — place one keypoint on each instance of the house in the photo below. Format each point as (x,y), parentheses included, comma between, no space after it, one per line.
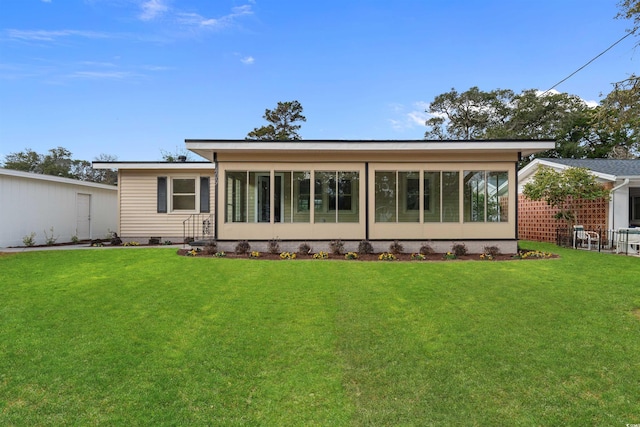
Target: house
(318,191)
(53,207)
(622,177)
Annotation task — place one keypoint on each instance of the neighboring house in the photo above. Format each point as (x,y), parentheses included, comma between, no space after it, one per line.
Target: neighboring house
(316,191)
(536,219)
(36,203)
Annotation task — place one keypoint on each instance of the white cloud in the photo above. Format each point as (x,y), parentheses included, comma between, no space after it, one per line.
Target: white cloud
(407,120)
(197,20)
(110,75)
(248,60)
(152,9)
(49,36)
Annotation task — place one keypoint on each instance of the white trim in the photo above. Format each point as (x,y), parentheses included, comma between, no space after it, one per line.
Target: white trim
(53,178)
(205,147)
(152,165)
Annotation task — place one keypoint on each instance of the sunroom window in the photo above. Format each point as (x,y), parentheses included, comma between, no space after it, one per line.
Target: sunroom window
(486,196)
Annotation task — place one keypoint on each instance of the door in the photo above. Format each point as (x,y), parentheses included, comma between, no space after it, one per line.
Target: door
(83,216)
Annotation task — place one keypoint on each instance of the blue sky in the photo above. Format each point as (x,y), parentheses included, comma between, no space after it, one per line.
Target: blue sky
(131,78)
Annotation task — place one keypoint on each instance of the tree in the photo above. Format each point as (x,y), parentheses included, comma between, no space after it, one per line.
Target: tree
(619,118)
(26,161)
(177,155)
(58,162)
(282,125)
(630,9)
(465,115)
(564,190)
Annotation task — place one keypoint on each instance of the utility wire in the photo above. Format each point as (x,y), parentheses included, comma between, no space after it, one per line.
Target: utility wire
(594,58)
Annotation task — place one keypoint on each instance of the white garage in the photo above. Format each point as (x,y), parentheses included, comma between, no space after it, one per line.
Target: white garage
(36,203)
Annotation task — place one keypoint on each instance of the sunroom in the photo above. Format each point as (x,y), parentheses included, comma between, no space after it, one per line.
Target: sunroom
(413,191)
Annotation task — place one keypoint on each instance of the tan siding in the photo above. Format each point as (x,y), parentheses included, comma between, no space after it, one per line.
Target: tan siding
(138,204)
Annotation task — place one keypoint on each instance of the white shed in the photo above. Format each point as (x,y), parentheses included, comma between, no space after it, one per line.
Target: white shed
(36,203)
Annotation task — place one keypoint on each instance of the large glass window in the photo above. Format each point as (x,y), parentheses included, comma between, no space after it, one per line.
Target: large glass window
(486,196)
(336,196)
(301,196)
(183,194)
(236,197)
(408,196)
(348,187)
(385,195)
(431,201)
(450,196)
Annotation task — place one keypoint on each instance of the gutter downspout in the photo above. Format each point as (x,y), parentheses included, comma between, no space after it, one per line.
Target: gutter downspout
(613,205)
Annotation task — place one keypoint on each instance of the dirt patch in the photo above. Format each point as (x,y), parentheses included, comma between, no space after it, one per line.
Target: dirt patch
(636,312)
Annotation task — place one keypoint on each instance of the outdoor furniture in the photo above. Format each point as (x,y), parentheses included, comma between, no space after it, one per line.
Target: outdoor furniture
(626,239)
(580,235)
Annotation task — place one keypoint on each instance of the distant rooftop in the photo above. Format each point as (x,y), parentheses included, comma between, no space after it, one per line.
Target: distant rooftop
(605,166)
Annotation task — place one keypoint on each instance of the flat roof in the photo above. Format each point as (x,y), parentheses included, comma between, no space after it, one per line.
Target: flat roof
(152,165)
(53,178)
(205,147)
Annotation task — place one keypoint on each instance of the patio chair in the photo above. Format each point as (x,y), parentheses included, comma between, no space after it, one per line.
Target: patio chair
(580,235)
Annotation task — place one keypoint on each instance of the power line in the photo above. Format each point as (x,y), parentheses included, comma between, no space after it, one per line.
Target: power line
(593,59)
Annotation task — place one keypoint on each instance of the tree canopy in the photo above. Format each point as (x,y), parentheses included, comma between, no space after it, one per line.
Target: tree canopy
(580,130)
(59,162)
(282,123)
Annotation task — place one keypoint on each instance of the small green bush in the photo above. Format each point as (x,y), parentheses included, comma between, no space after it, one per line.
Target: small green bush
(29,239)
(426,249)
(336,247)
(210,248)
(50,240)
(459,249)
(365,247)
(243,247)
(305,249)
(273,246)
(396,247)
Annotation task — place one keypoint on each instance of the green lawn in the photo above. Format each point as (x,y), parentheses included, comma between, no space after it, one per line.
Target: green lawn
(145,337)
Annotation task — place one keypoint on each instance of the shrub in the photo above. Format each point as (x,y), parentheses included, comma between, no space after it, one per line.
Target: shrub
(426,249)
(365,247)
(220,254)
(273,246)
(50,240)
(396,247)
(493,251)
(351,255)
(115,240)
(459,249)
(321,255)
(243,247)
(211,248)
(168,242)
(305,249)
(74,239)
(29,239)
(336,247)
(450,255)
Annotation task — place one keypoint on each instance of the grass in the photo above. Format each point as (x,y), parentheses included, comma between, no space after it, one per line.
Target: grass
(144,337)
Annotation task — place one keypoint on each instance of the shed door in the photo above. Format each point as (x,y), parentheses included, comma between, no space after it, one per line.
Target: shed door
(83,216)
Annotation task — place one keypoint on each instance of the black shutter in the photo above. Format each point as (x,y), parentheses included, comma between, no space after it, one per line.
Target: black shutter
(204,194)
(162,194)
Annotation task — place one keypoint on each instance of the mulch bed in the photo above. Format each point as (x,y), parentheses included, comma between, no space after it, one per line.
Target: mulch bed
(368,257)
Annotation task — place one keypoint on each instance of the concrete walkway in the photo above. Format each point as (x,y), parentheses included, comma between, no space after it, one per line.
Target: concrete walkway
(84,246)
